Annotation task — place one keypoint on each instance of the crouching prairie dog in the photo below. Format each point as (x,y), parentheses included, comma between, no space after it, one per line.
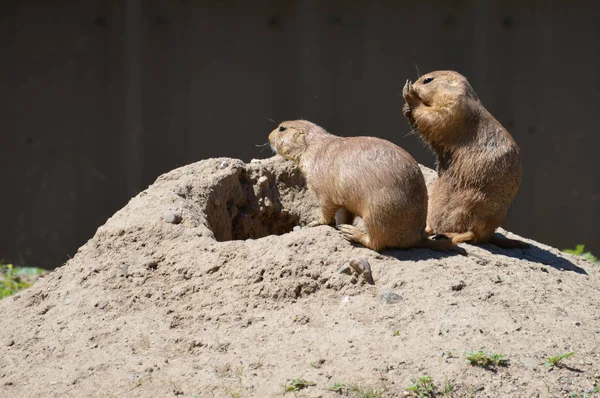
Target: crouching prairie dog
(478,162)
(367,177)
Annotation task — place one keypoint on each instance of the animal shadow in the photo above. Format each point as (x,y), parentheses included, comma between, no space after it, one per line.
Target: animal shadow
(421,254)
(536,254)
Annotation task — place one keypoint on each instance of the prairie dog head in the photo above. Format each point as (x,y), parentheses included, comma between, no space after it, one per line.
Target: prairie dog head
(291,138)
(437,101)
(439,89)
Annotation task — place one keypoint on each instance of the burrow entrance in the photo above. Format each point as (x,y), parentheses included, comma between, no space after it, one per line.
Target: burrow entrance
(259,201)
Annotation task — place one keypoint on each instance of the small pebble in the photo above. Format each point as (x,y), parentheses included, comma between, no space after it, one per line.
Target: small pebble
(362,267)
(345,269)
(390,297)
(356,265)
(224,164)
(172,218)
(255,160)
(297,228)
(10,342)
(529,362)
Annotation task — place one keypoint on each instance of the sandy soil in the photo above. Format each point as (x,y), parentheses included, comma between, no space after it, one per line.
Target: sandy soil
(203,285)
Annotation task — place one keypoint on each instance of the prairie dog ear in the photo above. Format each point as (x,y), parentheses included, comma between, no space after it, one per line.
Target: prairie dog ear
(300,140)
(453,81)
(298,134)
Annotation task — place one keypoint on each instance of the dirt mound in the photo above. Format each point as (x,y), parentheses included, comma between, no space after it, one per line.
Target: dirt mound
(204,285)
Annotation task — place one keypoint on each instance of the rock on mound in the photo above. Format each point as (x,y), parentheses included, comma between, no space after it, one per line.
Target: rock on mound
(201,286)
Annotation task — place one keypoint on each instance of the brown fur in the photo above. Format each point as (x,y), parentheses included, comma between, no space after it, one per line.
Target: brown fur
(478,162)
(367,177)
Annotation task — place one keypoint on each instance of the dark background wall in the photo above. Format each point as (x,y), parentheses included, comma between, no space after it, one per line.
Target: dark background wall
(98,98)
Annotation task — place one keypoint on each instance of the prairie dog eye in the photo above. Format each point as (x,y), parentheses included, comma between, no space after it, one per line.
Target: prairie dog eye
(282,128)
(427,80)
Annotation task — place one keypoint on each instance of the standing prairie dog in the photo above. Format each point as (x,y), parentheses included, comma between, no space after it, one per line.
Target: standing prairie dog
(368,177)
(478,163)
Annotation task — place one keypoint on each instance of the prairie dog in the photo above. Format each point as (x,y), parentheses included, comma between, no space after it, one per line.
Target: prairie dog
(478,162)
(368,177)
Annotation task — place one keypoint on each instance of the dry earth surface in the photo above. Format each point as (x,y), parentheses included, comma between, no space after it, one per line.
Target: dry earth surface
(201,286)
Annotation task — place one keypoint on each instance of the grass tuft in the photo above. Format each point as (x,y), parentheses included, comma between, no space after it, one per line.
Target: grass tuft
(298,384)
(579,251)
(338,387)
(486,360)
(424,387)
(555,361)
(14,279)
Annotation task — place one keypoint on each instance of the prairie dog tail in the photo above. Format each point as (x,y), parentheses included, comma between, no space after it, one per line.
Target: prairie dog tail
(439,245)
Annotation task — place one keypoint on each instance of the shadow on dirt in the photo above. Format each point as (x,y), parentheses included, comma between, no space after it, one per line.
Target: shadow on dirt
(538,255)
